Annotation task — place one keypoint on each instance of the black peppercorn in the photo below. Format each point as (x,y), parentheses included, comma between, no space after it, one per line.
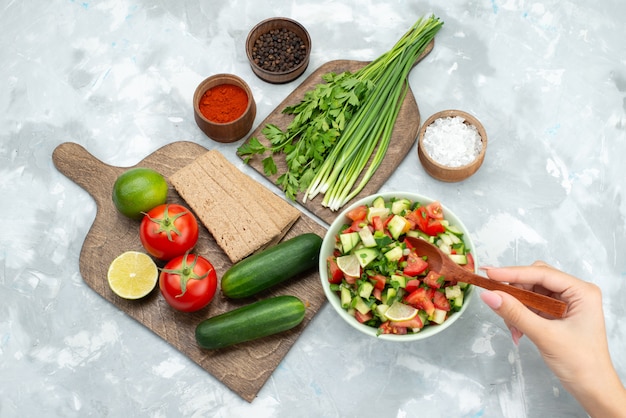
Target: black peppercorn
(278,50)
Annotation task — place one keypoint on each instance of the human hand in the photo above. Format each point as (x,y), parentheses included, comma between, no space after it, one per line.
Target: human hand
(575,347)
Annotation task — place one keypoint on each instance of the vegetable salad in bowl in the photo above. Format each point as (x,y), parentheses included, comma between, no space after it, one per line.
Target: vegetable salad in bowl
(378,283)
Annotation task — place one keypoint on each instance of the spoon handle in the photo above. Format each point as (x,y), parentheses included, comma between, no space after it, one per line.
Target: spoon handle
(534,300)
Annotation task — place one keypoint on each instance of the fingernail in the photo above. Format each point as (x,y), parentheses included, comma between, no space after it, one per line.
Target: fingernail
(516,335)
(491,299)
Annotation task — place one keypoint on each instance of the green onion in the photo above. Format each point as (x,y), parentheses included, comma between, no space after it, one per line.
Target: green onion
(342,129)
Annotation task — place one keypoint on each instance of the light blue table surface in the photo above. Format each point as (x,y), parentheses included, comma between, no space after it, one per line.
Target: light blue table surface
(546,78)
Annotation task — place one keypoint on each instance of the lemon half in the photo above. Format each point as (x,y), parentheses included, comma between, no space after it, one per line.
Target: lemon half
(132,275)
(349,265)
(399,312)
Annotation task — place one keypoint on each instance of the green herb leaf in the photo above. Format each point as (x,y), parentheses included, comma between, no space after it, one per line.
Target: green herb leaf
(253,146)
(269,166)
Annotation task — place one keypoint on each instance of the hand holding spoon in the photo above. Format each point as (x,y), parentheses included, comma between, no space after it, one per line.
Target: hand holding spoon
(444,265)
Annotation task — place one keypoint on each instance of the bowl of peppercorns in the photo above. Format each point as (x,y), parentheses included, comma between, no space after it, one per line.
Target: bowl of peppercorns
(278,49)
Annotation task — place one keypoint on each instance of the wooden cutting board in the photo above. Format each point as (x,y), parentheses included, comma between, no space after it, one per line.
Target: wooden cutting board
(403,136)
(243,368)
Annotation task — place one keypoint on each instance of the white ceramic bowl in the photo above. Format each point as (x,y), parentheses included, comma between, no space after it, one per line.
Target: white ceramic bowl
(327,249)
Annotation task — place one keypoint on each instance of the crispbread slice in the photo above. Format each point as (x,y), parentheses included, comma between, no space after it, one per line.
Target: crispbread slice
(241,214)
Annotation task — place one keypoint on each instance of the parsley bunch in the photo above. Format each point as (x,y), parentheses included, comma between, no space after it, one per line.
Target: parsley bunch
(319,119)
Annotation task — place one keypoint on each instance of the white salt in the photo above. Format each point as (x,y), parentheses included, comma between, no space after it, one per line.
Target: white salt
(451,142)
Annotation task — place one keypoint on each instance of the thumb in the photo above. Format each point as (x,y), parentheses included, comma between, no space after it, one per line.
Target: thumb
(518,317)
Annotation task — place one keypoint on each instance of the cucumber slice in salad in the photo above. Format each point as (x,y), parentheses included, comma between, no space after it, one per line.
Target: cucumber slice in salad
(399,207)
(379,202)
(366,255)
(348,241)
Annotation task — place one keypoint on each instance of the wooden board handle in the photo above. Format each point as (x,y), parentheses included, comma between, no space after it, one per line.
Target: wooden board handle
(76,163)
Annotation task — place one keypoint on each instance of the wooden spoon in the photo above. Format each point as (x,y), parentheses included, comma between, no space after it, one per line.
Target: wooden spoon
(441,263)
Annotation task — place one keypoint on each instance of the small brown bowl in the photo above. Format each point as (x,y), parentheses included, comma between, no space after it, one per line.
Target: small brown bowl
(224,131)
(448,173)
(278,76)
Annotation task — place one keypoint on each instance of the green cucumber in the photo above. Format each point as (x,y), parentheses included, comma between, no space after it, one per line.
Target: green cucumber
(397,226)
(271,266)
(382,213)
(379,202)
(400,207)
(349,240)
(256,320)
(395,254)
(366,255)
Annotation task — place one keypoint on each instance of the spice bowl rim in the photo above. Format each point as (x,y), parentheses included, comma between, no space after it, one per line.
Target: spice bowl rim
(448,173)
(224,131)
(278,77)
(327,248)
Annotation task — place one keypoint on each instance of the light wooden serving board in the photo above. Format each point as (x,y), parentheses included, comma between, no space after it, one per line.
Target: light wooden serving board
(403,136)
(243,368)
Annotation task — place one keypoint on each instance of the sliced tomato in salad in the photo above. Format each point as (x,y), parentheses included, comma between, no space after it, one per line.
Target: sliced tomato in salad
(411,323)
(434,280)
(355,226)
(363,317)
(401,327)
(358,214)
(412,285)
(421,298)
(441,302)
(379,280)
(419,217)
(434,227)
(335,275)
(434,210)
(416,265)
(378,224)
(428,218)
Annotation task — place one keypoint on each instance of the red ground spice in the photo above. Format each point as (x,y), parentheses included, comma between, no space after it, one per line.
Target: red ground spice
(223,103)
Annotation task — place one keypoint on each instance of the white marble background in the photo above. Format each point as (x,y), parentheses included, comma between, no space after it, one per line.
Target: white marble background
(546,78)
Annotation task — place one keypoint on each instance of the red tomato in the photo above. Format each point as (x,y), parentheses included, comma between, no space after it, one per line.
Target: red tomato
(350,279)
(434,210)
(421,298)
(419,217)
(412,285)
(434,279)
(168,231)
(378,224)
(355,226)
(434,227)
(335,275)
(363,317)
(441,302)
(427,218)
(379,281)
(188,282)
(388,328)
(415,264)
(411,323)
(358,214)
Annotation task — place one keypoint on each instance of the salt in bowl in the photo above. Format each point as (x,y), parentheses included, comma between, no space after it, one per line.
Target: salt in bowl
(452,145)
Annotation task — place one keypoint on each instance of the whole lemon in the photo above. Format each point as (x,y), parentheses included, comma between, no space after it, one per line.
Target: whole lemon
(138,190)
